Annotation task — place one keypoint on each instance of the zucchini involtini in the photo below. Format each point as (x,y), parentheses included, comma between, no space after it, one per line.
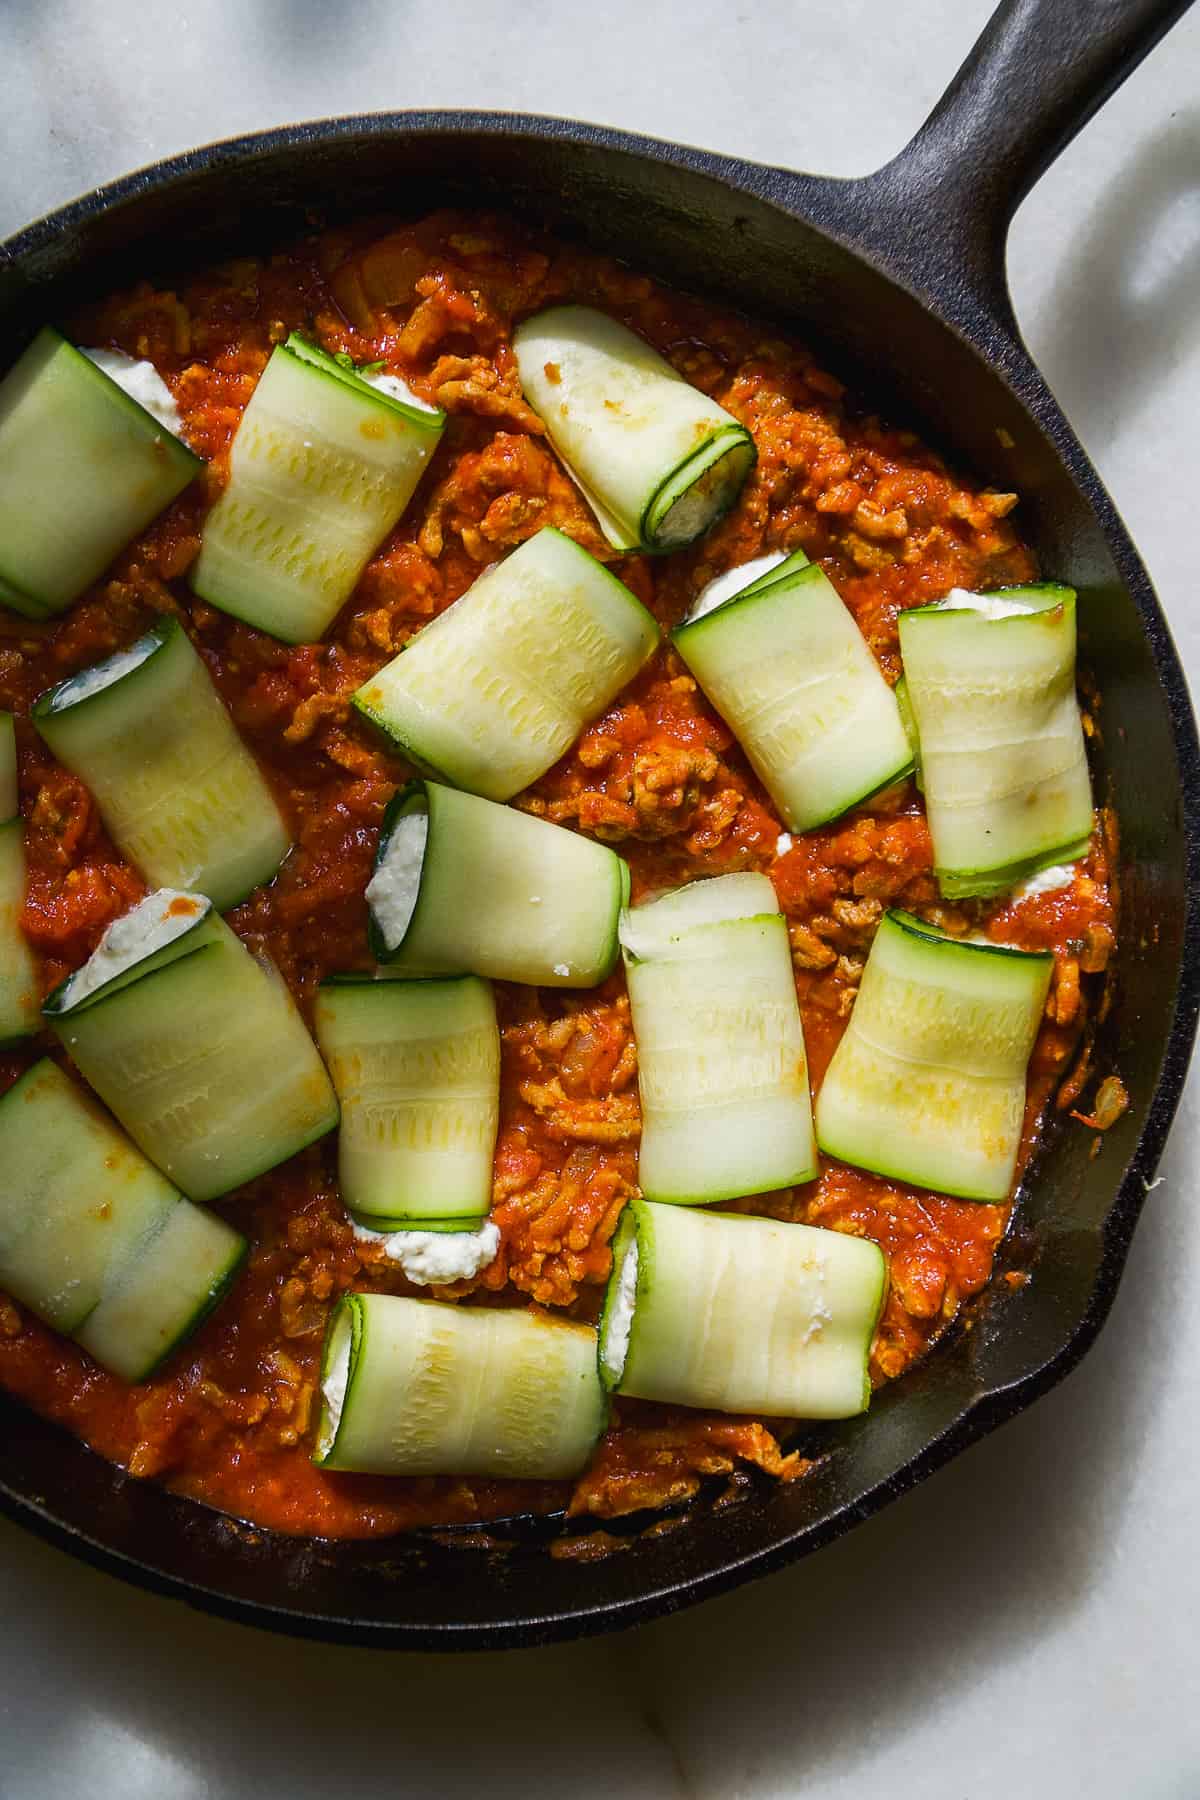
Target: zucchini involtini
(991,684)
(493,691)
(83,469)
(786,666)
(324,462)
(20,1009)
(657,461)
(742,1315)
(463,886)
(416,1068)
(417,1387)
(195,1045)
(94,1239)
(177,789)
(928,1083)
(721,1066)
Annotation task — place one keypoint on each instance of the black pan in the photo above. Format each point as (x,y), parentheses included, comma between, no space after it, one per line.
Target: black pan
(900,279)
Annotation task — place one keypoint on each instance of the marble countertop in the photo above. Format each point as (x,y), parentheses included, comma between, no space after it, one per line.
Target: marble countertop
(1023,1624)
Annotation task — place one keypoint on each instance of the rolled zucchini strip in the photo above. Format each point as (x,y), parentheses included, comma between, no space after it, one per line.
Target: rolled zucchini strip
(177,789)
(991,684)
(721,1066)
(928,1083)
(83,469)
(20,998)
(322,466)
(788,669)
(416,1069)
(740,1315)
(657,461)
(195,1045)
(9,802)
(93,1239)
(499,686)
(463,886)
(416,1387)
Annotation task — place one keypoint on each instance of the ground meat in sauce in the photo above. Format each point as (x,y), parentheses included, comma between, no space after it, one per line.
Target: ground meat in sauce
(230,1420)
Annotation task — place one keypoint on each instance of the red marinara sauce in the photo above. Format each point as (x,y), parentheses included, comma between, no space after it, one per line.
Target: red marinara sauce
(231,1418)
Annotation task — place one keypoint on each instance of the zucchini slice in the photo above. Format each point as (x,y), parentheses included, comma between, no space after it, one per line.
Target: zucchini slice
(20,1000)
(93,1239)
(991,683)
(792,675)
(657,461)
(463,886)
(740,1315)
(928,1083)
(9,802)
(322,466)
(418,1387)
(416,1068)
(721,1066)
(495,689)
(83,469)
(177,789)
(195,1045)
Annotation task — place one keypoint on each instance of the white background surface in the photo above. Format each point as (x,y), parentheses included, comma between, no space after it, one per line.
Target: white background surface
(1023,1625)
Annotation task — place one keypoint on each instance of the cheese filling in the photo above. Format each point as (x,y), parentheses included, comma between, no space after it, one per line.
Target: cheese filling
(143,383)
(437,1258)
(146,928)
(103,674)
(620,1317)
(729,585)
(393,889)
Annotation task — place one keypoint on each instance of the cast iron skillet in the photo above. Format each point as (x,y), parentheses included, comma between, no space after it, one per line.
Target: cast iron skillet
(900,278)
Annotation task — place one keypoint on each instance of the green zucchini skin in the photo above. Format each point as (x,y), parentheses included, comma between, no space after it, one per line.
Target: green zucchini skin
(236,1092)
(66,428)
(722,1071)
(96,1241)
(496,688)
(1004,762)
(554,898)
(416,1069)
(786,666)
(197,814)
(321,469)
(744,1315)
(436,1389)
(657,461)
(927,1085)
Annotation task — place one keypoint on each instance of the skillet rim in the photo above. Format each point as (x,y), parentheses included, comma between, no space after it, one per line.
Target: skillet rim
(985,322)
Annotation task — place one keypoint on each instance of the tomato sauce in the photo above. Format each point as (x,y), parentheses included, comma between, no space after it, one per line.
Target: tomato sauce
(230,1420)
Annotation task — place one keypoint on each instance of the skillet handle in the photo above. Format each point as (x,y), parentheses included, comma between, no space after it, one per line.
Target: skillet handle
(1034,78)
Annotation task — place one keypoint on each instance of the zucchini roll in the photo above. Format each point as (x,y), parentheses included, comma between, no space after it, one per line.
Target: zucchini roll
(495,689)
(928,1083)
(991,684)
(416,1069)
(658,461)
(463,886)
(93,1239)
(417,1387)
(195,1045)
(83,469)
(785,665)
(324,462)
(721,1066)
(177,789)
(20,1010)
(740,1315)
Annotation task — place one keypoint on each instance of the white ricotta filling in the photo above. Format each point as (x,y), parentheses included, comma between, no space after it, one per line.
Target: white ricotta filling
(1046,881)
(146,928)
(395,389)
(143,383)
(392,890)
(729,585)
(783,843)
(992,606)
(619,1323)
(102,675)
(334,1383)
(436,1258)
